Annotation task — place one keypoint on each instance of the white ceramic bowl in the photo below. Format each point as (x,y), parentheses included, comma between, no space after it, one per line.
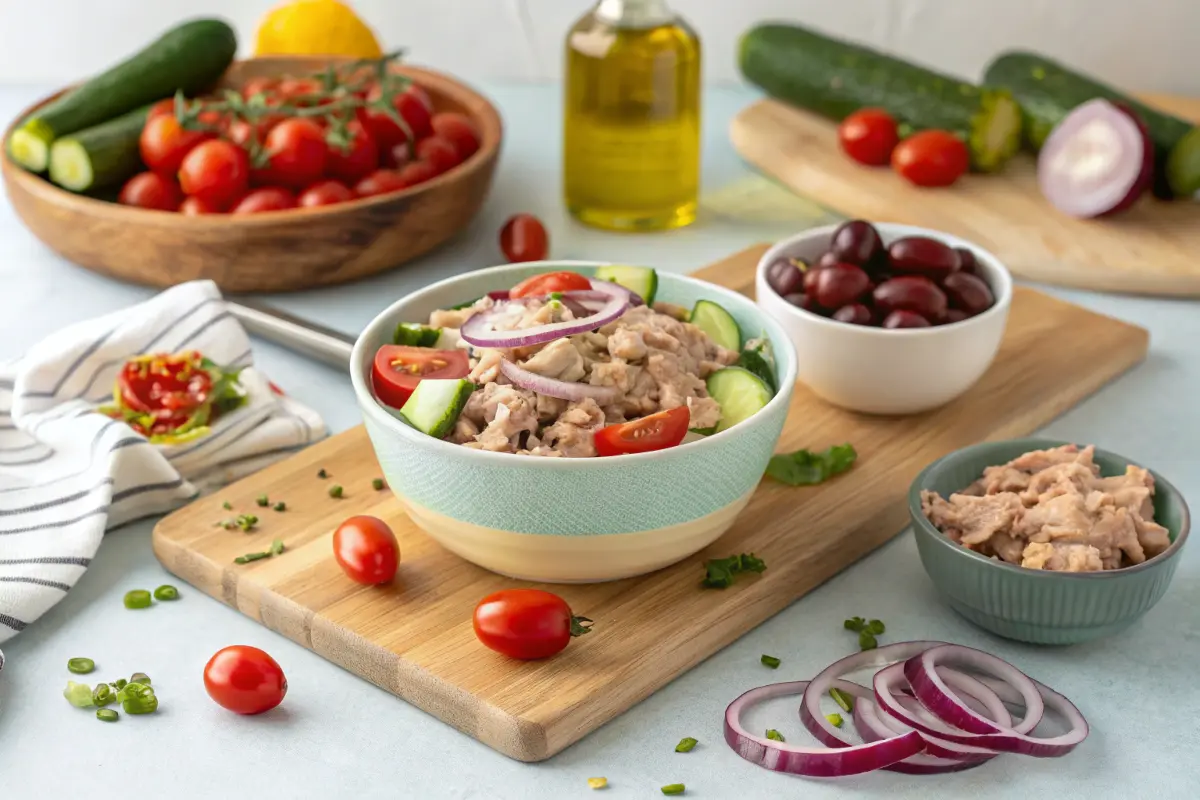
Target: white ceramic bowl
(878,371)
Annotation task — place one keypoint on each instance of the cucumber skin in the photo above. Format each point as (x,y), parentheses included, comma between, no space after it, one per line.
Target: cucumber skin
(835,78)
(189,57)
(112,148)
(1048,91)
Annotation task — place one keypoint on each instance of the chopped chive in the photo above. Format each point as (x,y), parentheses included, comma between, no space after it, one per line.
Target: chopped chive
(686,744)
(246,559)
(140,677)
(842,699)
(335,491)
(107,714)
(321,473)
(276,547)
(166,592)
(770,661)
(674,788)
(81,666)
(281,506)
(834,719)
(774,735)
(377,484)
(137,598)
(263,500)
(78,694)
(597,783)
(246,522)
(227,506)
(103,695)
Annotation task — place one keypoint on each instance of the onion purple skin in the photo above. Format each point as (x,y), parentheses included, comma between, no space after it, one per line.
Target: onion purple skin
(1146,178)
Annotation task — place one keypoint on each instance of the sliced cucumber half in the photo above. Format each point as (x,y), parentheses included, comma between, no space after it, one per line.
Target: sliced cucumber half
(434,405)
(718,324)
(740,393)
(642,281)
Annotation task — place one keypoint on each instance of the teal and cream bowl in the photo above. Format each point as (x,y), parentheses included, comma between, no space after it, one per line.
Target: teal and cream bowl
(566,520)
(1032,605)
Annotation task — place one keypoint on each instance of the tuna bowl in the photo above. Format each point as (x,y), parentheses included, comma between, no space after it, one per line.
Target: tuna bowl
(1033,605)
(579,520)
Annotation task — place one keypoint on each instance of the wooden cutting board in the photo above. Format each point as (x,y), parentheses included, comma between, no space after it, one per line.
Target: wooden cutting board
(414,638)
(1152,249)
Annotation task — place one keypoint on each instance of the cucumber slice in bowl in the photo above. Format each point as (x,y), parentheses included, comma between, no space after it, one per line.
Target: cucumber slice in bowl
(740,393)
(435,405)
(642,281)
(720,326)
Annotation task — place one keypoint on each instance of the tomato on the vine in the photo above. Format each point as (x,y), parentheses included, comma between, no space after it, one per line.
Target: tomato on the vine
(268,198)
(381,181)
(164,143)
(299,89)
(869,136)
(417,172)
(439,152)
(244,680)
(524,238)
(163,108)
(414,107)
(366,550)
(150,190)
(526,623)
(548,282)
(296,154)
(264,86)
(194,207)
(397,156)
(356,162)
(931,158)
(216,171)
(459,130)
(325,193)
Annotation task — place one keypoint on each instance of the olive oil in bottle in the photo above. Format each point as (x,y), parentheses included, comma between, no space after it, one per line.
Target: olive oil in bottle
(631,140)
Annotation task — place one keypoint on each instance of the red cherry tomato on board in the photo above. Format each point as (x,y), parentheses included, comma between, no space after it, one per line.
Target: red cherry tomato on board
(151,190)
(215,171)
(869,136)
(164,143)
(296,154)
(269,198)
(398,369)
(366,550)
(655,432)
(547,282)
(439,153)
(524,238)
(244,680)
(931,158)
(526,623)
(325,193)
(459,130)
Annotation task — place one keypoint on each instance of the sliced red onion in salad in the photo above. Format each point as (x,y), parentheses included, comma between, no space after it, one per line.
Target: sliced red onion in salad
(479,330)
(611,289)
(552,387)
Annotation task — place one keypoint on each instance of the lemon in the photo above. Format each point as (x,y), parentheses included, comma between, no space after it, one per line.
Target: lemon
(315,28)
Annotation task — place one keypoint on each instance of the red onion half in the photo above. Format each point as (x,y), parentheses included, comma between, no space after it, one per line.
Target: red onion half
(552,387)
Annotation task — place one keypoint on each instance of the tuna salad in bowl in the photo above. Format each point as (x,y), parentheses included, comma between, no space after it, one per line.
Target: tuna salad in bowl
(573,421)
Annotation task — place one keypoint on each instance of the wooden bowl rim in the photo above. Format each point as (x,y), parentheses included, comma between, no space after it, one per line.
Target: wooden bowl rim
(490,136)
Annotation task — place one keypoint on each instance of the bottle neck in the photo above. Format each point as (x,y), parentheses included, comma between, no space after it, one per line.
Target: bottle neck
(634,13)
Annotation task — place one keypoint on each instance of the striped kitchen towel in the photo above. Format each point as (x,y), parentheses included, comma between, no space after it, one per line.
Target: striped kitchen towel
(68,473)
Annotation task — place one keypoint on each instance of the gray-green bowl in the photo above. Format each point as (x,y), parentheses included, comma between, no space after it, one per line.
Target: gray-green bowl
(1032,605)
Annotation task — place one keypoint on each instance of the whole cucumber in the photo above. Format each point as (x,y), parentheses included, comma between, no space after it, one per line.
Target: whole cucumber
(835,78)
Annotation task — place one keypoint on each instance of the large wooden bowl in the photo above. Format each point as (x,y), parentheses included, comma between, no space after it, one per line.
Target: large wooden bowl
(284,251)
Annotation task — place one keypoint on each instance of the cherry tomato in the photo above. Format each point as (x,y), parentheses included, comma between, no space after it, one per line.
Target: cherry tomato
(381,181)
(269,198)
(151,190)
(325,193)
(244,680)
(356,162)
(931,158)
(398,156)
(414,107)
(398,369)
(459,130)
(241,132)
(524,238)
(194,206)
(547,282)
(526,623)
(164,143)
(296,88)
(655,432)
(366,550)
(439,153)
(869,136)
(215,171)
(264,86)
(163,108)
(296,153)
(417,172)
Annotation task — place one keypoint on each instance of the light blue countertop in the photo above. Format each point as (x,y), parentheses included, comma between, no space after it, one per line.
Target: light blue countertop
(339,736)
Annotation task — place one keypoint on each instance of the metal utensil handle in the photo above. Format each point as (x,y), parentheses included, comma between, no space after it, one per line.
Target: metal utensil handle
(306,338)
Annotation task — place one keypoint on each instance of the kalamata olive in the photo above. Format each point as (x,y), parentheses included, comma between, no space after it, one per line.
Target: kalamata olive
(810,279)
(856,242)
(910,293)
(785,277)
(967,259)
(840,285)
(967,292)
(920,255)
(855,314)
(955,315)
(905,319)
(801,300)
(827,259)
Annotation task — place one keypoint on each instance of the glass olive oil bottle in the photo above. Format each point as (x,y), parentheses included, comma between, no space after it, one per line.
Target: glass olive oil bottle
(631,141)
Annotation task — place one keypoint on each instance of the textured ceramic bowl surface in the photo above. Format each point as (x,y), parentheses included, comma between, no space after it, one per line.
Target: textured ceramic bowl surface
(1033,605)
(878,371)
(571,520)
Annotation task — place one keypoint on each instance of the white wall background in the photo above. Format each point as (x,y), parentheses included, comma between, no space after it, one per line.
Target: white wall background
(1152,45)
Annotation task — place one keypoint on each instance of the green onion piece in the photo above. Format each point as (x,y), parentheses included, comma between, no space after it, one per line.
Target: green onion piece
(246,559)
(246,522)
(137,598)
(166,592)
(335,491)
(842,699)
(674,788)
(262,500)
(854,624)
(281,506)
(866,641)
(142,704)
(377,484)
(103,695)
(140,677)
(78,694)
(686,744)
(834,719)
(276,547)
(774,734)
(119,684)
(770,661)
(81,666)
(227,506)
(107,714)
(875,627)
(321,473)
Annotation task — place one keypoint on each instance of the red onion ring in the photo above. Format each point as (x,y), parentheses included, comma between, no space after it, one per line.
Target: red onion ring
(499,294)
(477,329)
(816,762)
(617,290)
(552,387)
